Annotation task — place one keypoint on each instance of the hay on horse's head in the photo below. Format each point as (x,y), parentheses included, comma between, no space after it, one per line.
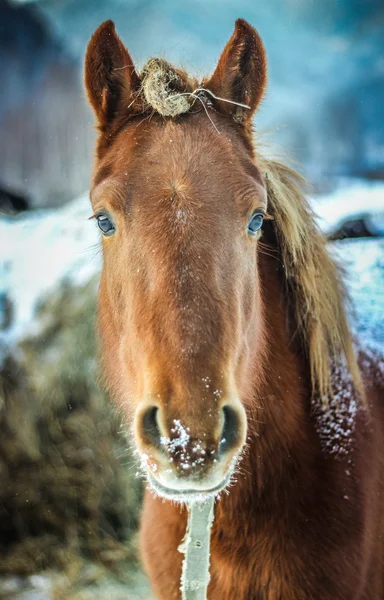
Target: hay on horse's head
(164,89)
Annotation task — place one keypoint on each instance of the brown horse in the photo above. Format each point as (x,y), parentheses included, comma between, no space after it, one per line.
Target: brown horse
(224,343)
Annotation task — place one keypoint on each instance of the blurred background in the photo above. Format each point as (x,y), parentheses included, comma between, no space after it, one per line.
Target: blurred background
(324,101)
(69,494)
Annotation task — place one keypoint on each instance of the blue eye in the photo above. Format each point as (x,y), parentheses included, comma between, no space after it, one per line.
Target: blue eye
(105,224)
(255,223)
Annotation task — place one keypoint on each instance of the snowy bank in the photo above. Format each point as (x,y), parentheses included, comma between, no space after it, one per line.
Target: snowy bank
(363,262)
(352,199)
(39,251)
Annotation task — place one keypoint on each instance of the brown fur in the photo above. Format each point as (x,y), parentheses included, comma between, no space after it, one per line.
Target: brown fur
(185,295)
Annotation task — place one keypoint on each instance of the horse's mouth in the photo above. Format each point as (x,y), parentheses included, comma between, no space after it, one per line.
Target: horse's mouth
(188,494)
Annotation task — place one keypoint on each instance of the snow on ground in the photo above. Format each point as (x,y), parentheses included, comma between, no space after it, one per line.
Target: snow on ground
(364,264)
(362,259)
(43,248)
(94,582)
(350,200)
(39,250)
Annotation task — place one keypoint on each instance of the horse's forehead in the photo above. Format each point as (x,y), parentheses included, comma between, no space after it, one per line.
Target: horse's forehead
(186,161)
(184,154)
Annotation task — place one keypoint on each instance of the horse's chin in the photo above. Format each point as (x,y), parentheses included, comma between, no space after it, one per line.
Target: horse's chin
(194,493)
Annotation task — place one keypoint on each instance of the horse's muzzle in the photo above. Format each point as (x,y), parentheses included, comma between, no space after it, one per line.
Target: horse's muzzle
(184,460)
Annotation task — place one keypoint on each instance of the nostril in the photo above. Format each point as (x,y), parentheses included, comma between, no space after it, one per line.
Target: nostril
(231,428)
(150,426)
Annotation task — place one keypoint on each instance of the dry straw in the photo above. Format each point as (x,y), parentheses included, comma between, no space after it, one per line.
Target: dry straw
(159,83)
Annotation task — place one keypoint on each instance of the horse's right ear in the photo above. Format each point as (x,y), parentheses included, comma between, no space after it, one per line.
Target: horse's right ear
(111,80)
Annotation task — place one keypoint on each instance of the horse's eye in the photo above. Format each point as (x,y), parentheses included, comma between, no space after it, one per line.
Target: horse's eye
(105,224)
(255,223)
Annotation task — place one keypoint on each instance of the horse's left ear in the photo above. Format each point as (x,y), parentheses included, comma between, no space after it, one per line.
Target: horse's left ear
(111,80)
(241,74)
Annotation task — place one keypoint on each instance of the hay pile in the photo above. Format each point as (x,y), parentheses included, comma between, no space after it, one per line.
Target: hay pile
(65,497)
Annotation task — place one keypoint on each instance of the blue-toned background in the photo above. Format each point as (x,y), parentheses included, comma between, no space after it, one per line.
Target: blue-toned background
(323,107)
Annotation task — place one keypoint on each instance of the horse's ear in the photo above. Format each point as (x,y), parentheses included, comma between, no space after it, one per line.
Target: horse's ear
(241,74)
(111,81)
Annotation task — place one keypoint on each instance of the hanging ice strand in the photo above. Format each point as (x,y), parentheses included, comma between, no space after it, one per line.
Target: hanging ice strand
(195,546)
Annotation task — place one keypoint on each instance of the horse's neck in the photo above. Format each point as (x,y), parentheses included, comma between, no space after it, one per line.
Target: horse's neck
(279,431)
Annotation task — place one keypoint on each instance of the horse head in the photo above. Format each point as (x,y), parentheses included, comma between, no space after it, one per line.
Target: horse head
(180,202)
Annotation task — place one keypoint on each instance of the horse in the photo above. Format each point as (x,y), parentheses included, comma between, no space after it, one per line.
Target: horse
(225,339)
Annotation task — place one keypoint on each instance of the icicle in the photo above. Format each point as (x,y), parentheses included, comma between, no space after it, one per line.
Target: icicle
(196,549)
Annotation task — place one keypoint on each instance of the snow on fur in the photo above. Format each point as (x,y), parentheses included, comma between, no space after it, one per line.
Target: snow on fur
(336,416)
(178,446)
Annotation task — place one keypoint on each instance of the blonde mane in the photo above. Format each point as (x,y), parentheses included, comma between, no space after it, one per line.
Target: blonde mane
(314,281)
